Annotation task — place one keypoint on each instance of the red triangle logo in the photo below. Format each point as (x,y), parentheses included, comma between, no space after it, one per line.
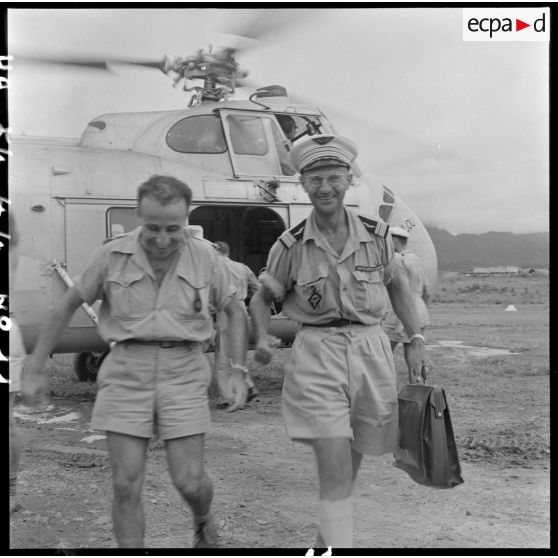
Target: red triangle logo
(519,25)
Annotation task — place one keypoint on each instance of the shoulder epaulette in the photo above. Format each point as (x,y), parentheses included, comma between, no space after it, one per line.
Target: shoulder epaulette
(291,236)
(380,228)
(114,237)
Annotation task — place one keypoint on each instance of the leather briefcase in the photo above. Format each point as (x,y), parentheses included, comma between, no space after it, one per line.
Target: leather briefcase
(427,450)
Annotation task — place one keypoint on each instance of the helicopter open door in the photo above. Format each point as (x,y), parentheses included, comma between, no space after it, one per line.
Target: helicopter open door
(257,146)
(249,231)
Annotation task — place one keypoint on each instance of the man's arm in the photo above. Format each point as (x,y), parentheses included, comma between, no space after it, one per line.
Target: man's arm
(34,381)
(274,282)
(253,283)
(237,330)
(426,294)
(404,307)
(261,314)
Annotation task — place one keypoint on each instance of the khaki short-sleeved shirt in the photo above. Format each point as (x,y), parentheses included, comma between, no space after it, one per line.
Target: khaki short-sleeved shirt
(244,280)
(318,285)
(416,275)
(134,306)
(413,269)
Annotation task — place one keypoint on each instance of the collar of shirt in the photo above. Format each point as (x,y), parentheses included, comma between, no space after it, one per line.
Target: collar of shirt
(357,233)
(130,244)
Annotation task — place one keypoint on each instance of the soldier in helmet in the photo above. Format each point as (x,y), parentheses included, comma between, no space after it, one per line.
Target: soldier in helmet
(333,273)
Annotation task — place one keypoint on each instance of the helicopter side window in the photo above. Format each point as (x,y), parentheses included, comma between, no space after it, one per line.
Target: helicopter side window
(197,134)
(247,135)
(121,220)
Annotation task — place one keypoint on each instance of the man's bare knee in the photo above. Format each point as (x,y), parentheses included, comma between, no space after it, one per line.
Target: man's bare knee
(190,485)
(127,486)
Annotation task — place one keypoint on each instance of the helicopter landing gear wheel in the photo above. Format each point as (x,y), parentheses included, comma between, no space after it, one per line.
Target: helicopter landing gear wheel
(86,365)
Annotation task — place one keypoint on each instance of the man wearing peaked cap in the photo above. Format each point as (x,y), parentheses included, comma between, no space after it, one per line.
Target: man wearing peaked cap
(398,232)
(333,273)
(322,150)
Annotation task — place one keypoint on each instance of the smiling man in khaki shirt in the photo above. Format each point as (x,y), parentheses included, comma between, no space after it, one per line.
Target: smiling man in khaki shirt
(156,284)
(333,273)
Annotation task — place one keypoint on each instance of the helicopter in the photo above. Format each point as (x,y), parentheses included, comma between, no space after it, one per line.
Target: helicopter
(71,195)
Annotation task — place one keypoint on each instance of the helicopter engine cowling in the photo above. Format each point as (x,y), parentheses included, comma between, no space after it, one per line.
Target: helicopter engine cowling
(273,94)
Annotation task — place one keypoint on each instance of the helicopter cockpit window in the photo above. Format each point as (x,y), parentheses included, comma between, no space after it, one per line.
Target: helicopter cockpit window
(197,134)
(283,147)
(297,126)
(247,135)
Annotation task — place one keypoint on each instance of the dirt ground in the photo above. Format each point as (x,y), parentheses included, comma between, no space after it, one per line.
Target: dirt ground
(265,485)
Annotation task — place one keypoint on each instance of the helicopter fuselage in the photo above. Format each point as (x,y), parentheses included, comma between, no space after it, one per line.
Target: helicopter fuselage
(70,195)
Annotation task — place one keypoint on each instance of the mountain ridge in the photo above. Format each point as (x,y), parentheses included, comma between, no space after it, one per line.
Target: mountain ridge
(464,251)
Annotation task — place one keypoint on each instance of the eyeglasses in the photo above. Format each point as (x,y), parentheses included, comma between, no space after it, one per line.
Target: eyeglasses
(314,181)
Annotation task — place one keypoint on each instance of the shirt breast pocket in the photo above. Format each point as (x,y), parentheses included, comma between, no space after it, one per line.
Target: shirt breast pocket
(192,296)
(311,285)
(129,295)
(369,291)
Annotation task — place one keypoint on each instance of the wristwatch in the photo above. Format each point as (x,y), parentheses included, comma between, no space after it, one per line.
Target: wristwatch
(240,367)
(416,336)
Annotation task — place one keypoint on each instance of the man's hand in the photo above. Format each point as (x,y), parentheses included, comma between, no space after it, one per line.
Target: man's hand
(418,362)
(237,386)
(265,347)
(34,382)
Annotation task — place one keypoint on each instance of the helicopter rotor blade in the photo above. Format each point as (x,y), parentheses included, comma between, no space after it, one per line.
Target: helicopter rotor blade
(262,23)
(75,62)
(246,33)
(93,63)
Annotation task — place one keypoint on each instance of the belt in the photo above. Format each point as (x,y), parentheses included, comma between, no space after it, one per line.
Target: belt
(339,322)
(161,343)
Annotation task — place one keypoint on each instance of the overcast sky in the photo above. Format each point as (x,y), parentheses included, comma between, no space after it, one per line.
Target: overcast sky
(459,130)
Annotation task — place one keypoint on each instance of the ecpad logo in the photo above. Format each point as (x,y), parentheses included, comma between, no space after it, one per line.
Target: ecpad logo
(506,24)
(494,24)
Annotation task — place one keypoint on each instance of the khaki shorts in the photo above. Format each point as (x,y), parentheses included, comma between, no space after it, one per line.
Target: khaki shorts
(147,390)
(341,382)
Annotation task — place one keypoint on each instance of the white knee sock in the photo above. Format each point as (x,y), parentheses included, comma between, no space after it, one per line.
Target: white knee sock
(336,522)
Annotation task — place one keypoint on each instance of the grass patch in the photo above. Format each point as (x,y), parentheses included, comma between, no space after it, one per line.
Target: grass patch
(461,288)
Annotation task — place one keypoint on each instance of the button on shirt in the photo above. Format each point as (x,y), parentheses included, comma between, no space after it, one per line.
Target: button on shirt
(134,306)
(321,285)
